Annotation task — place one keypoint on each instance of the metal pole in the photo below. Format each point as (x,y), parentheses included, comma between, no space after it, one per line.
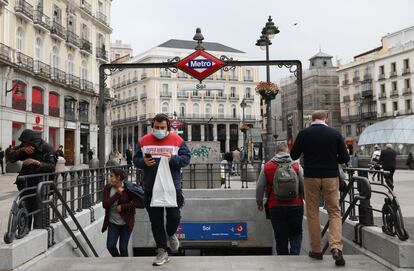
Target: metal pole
(268,143)
(244,138)
(300,95)
(102,109)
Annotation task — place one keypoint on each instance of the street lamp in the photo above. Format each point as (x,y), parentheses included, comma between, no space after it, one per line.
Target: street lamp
(244,129)
(268,32)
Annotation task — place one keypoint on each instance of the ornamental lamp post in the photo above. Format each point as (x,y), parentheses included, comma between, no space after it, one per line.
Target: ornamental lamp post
(268,33)
(243,128)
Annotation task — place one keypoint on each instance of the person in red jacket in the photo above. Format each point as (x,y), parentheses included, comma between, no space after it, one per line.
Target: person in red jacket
(286,215)
(119,218)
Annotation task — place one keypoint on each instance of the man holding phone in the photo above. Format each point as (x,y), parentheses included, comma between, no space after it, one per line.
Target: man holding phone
(150,149)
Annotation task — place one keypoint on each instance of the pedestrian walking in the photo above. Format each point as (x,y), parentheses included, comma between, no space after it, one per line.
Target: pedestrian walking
(128,155)
(236,161)
(1,160)
(38,157)
(162,143)
(323,148)
(388,160)
(286,213)
(90,155)
(409,161)
(119,205)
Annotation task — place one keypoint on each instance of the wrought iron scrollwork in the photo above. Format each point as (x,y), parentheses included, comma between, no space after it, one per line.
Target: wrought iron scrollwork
(225,58)
(18,223)
(392,219)
(292,69)
(109,72)
(173,61)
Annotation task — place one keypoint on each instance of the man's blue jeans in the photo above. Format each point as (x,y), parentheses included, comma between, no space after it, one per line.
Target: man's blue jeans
(287,228)
(123,233)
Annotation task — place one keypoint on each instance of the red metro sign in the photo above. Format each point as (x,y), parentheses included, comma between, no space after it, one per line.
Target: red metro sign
(200,64)
(175,124)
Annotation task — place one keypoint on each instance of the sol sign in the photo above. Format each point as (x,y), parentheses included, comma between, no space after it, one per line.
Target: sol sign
(175,124)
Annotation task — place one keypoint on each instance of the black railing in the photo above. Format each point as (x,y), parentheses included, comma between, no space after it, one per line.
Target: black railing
(39,18)
(84,117)
(58,30)
(4,52)
(87,7)
(73,81)
(86,46)
(101,17)
(70,115)
(37,108)
(356,202)
(86,85)
(54,111)
(24,61)
(19,103)
(72,38)
(24,8)
(58,75)
(79,190)
(41,68)
(101,53)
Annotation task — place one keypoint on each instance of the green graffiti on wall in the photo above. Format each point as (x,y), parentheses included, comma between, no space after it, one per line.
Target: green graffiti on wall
(201,151)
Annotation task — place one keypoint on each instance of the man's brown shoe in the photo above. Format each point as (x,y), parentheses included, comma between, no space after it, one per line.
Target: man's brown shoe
(338,257)
(316,255)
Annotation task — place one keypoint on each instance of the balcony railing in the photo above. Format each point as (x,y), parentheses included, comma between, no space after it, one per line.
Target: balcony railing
(58,31)
(355,118)
(19,103)
(37,108)
(24,61)
(101,17)
(234,96)
(134,79)
(73,81)
(393,74)
(357,96)
(196,95)
(86,46)
(86,7)
(221,96)
(143,76)
(127,100)
(182,95)
(41,68)
(249,97)
(345,82)
(394,94)
(4,52)
(248,79)
(86,85)
(165,74)
(208,96)
(24,8)
(70,115)
(143,96)
(58,75)
(367,77)
(367,93)
(345,119)
(381,76)
(406,71)
(382,96)
(369,115)
(41,20)
(72,38)
(233,78)
(346,98)
(54,111)
(84,117)
(166,94)
(101,53)
(355,80)
(407,91)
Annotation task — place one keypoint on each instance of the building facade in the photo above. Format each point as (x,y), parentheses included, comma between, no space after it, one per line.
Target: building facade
(119,50)
(50,52)
(210,111)
(376,85)
(320,92)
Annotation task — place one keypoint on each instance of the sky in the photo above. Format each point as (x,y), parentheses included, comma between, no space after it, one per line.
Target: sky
(341,28)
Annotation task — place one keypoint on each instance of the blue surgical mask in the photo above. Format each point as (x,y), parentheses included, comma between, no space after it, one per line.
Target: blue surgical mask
(160,134)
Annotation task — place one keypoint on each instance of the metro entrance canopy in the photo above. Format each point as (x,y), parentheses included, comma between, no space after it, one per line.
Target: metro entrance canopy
(200,65)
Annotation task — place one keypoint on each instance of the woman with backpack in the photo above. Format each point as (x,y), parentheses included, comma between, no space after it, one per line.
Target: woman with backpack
(282,180)
(119,205)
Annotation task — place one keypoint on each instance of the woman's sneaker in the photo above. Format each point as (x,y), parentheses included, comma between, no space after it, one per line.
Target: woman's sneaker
(161,258)
(174,243)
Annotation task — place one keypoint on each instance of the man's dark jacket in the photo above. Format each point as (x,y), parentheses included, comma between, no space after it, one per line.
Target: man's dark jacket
(323,149)
(388,159)
(43,152)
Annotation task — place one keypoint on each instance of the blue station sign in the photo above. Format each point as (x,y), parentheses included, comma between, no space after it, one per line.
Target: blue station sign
(212,231)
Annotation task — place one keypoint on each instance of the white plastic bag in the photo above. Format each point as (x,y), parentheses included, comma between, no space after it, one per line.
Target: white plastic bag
(163,193)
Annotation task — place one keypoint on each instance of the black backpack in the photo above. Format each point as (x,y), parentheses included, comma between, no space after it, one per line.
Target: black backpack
(137,190)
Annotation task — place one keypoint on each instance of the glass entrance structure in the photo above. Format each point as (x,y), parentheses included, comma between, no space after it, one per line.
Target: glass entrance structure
(398,131)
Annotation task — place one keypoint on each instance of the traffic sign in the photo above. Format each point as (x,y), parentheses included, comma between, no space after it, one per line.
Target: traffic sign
(200,64)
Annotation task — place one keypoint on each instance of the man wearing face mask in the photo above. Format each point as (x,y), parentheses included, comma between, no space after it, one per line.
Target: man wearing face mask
(150,149)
